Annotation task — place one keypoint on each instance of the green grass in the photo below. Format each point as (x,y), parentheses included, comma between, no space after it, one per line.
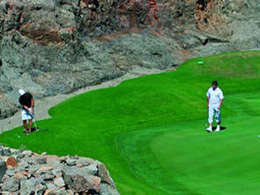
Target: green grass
(150,131)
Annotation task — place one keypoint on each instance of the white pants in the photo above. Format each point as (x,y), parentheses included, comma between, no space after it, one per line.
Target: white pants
(213,110)
(26,115)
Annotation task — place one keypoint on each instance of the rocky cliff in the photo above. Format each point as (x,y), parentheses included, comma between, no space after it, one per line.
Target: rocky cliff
(57,46)
(25,172)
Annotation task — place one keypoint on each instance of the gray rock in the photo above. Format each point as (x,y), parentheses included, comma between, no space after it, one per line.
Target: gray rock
(47,176)
(27,153)
(9,172)
(83,171)
(57,172)
(71,162)
(28,186)
(24,166)
(40,189)
(33,168)
(20,156)
(41,160)
(59,182)
(5,151)
(106,189)
(91,169)
(103,173)
(39,180)
(80,184)
(84,163)
(58,192)
(50,186)
(11,184)
(2,169)
(67,180)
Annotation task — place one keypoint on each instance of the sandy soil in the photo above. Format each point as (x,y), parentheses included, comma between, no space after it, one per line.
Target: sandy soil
(43,105)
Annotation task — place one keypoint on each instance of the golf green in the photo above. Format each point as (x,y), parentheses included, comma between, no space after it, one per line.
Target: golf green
(150,131)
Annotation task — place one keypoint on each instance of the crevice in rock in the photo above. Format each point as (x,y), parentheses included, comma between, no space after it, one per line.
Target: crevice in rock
(213,40)
(206,42)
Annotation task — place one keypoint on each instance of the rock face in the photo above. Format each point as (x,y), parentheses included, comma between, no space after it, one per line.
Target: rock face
(49,174)
(57,46)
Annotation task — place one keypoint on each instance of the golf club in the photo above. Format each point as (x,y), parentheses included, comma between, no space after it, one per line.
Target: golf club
(34,122)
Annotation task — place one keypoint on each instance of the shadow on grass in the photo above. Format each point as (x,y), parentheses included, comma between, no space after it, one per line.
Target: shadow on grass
(221,128)
(35,130)
(214,129)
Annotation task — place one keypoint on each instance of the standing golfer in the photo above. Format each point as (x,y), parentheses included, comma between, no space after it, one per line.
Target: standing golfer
(27,102)
(215,99)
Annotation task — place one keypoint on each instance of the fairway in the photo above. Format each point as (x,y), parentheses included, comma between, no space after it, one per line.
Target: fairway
(150,131)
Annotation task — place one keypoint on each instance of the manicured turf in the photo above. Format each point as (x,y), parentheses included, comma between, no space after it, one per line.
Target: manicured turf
(150,132)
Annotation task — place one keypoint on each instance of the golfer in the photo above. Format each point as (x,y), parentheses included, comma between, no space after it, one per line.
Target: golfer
(27,102)
(214,99)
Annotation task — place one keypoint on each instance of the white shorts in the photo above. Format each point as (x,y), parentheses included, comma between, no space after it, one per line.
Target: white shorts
(26,115)
(213,110)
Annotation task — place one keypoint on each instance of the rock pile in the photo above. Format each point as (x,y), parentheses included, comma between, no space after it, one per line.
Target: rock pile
(25,172)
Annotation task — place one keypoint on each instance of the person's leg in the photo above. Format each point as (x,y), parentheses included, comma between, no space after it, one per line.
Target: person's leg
(25,125)
(218,119)
(210,119)
(30,125)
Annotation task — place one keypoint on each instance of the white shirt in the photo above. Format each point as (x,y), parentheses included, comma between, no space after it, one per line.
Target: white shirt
(214,96)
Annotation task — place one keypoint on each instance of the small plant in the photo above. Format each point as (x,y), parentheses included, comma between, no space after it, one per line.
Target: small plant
(22,148)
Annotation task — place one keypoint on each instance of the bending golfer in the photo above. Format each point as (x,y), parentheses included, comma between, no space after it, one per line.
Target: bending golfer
(215,99)
(27,102)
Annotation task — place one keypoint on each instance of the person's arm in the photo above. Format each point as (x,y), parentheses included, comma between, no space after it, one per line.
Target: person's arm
(208,96)
(220,103)
(32,105)
(221,96)
(32,102)
(26,108)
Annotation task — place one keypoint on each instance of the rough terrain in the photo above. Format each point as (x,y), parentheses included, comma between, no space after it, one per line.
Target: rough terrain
(51,47)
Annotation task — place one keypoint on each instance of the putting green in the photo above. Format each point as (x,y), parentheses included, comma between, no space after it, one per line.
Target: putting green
(150,132)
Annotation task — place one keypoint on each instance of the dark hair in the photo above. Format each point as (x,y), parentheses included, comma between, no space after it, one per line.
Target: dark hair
(215,83)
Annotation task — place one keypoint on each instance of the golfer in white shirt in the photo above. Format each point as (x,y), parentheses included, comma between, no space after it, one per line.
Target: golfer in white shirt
(215,99)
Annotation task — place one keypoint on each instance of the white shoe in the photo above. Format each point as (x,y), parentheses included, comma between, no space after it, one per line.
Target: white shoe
(218,129)
(209,129)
